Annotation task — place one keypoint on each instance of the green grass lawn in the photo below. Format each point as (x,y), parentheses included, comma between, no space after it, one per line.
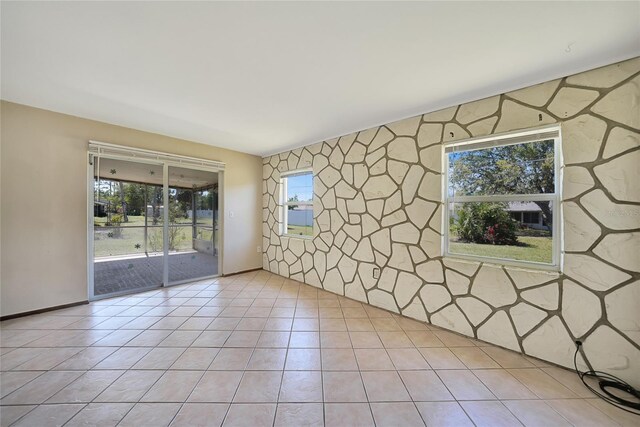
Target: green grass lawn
(130,237)
(300,230)
(124,244)
(133,220)
(128,240)
(535,249)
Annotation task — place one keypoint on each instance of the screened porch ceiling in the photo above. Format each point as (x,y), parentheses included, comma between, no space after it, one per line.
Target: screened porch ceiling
(142,173)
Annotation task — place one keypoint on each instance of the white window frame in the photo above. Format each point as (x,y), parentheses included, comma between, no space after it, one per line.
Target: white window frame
(284,204)
(498,140)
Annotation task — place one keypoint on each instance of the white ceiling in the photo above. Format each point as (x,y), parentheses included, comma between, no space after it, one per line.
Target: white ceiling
(264,77)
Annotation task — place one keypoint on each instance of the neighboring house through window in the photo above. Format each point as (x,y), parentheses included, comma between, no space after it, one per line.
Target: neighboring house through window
(527,214)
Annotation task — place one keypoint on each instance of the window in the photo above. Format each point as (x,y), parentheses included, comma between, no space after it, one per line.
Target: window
(530,217)
(297,203)
(501,194)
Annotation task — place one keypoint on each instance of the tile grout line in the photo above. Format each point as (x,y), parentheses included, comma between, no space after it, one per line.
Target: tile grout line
(92,401)
(136,403)
(237,294)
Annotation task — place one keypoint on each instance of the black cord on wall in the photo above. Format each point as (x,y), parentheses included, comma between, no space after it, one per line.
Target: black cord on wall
(606,382)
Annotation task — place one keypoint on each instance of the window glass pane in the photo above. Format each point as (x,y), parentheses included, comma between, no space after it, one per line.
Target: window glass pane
(502,230)
(300,188)
(204,233)
(122,204)
(299,220)
(128,208)
(118,241)
(512,169)
(206,201)
(192,202)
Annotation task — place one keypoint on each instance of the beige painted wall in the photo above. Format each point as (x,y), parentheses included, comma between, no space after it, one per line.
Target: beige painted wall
(44,203)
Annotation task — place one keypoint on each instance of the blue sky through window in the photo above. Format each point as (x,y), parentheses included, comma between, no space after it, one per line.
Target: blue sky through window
(300,186)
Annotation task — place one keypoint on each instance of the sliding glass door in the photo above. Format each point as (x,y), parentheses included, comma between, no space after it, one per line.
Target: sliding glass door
(152,224)
(128,226)
(193,200)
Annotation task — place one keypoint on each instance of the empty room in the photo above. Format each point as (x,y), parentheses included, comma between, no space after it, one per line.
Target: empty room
(330,214)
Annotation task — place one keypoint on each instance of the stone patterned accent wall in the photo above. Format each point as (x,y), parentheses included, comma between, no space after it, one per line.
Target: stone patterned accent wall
(377,203)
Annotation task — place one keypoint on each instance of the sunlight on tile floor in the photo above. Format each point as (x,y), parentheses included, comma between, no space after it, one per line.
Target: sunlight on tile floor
(257,349)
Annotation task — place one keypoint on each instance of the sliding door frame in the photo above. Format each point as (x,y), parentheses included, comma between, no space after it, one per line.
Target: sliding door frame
(118,152)
(220,173)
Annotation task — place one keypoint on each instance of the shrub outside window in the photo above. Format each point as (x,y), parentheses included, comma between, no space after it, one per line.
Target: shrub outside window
(296,195)
(502,198)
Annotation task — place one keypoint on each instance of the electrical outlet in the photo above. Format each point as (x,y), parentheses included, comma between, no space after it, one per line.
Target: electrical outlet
(376,273)
(258,249)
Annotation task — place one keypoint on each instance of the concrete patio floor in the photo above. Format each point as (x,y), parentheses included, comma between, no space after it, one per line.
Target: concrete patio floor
(129,274)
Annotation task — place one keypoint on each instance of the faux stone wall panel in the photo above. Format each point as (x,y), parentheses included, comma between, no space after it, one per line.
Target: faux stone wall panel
(593,273)
(474,111)
(580,231)
(499,330)
(537,95)
(582,139)
(492,285)
(621,302)
(526,317)
(606,77)
(615,354)
(581,309)
(551,341)
(476,310)
(576,181)
(569,101)
(621,104)
(378,221)
(621,177)
(616,216)
(620,140)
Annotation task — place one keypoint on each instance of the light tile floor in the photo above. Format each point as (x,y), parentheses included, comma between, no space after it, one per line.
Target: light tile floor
(256,349)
